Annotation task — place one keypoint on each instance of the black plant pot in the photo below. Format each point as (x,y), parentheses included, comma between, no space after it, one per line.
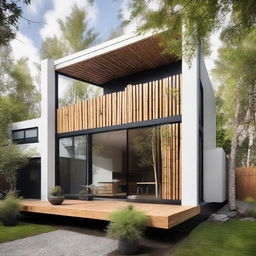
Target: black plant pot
(128,247)
(55,200)
(10,220)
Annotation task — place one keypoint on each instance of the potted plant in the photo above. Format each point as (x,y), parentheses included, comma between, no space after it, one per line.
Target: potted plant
(56,195)
(127,225)
(85,195)
(9,210)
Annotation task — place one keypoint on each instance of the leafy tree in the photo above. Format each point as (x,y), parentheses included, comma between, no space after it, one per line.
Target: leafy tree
(200,18)
(236,71)
(12,158)
(10,12)
(75,36)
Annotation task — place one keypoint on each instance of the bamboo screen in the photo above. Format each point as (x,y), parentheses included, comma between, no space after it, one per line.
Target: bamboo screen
(171,161)
(152,100)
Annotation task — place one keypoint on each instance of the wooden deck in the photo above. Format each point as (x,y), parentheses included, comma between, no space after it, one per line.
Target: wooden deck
(161,215)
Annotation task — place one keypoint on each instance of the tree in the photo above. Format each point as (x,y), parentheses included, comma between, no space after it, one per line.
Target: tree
(12,159)
(236,71)
(10,12)
(200,18)
(75,36)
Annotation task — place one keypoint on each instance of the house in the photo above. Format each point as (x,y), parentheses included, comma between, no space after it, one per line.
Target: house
(149,135)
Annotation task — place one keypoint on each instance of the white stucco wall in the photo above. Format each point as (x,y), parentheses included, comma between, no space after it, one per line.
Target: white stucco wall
(47,134)
(32,123)
(214,179)
(215,175)
(190,127)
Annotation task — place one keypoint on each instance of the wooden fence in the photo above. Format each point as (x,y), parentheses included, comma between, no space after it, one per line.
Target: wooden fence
(245,182)
(152,100)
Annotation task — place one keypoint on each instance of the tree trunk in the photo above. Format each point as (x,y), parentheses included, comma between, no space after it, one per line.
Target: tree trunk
(249,151)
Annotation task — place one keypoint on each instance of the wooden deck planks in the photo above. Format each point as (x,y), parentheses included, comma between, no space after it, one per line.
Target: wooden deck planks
(161,215)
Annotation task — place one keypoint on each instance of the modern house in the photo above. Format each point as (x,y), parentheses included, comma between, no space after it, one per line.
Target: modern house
(146,130)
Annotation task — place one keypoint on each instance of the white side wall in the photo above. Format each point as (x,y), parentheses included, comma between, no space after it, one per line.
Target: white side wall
(26,125)
(215,175)
(214,158)
(190,126)
(47,134)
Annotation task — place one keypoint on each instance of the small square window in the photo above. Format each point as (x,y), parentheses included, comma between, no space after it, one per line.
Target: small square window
(31,133)
(18,135)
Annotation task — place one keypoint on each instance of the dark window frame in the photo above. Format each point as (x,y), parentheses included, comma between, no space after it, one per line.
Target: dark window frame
(25,140)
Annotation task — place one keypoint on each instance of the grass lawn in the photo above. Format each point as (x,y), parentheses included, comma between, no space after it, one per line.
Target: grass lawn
(22,230)
(232,238)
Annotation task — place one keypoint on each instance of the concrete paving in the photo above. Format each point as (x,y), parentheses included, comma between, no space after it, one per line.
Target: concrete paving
(59,243)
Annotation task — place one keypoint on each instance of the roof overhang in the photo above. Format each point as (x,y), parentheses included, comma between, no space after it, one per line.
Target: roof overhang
(117,58)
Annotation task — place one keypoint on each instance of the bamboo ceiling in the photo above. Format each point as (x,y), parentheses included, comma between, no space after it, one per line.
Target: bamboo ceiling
(127,60)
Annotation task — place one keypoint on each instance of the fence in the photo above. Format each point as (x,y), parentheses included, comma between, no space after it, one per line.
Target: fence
(152,100)
(245,182)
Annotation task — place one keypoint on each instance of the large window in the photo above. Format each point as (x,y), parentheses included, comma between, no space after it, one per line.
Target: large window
(109,163)
(24,136)
(142,163)
(72,164)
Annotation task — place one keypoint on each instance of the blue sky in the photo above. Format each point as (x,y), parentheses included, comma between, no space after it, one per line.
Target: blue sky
(106,21)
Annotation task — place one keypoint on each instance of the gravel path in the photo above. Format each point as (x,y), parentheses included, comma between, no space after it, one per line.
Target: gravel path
(59,243)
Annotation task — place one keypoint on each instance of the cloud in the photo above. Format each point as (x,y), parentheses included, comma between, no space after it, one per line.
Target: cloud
(23,46)
(35,6)
(153,5)
(62,9)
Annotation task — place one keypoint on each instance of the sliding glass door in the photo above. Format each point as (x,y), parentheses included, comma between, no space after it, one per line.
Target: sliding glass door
(109,164)
(72,164)
(143,163)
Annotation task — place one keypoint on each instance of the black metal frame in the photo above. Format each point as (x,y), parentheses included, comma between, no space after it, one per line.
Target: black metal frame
(26,140)
(90,132)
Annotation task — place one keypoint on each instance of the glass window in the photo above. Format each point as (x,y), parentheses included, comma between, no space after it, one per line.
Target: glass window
(71,91)
(18,135)
(31,133)
(109,163)
(144,162)
(72,164)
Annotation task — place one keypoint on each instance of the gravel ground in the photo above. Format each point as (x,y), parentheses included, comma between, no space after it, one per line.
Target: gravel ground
(59,243)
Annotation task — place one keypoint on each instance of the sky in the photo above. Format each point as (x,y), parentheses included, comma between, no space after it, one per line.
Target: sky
(103,16)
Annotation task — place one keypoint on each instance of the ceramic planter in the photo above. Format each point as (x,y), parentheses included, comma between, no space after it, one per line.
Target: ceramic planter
(55,200)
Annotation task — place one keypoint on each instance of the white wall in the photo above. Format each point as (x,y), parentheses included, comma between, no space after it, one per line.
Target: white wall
(215,175)
(214,158)
(25,125)
(190,127)
(47,134)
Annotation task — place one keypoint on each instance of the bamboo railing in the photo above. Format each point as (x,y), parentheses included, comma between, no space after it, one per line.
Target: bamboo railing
(141,102)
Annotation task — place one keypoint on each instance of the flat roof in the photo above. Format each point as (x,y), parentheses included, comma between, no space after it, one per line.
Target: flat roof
(117,58)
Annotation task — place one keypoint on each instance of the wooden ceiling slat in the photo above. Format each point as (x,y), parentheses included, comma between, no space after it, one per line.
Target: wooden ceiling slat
(134,58)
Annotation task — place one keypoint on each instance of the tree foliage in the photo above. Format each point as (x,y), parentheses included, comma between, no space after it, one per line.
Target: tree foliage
(75,35)
(200,18)
(10,12)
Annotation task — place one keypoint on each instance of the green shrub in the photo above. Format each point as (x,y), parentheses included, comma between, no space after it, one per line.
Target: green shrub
(10,207)
(56,191)
(252,212)
(250,200)
(127,224)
